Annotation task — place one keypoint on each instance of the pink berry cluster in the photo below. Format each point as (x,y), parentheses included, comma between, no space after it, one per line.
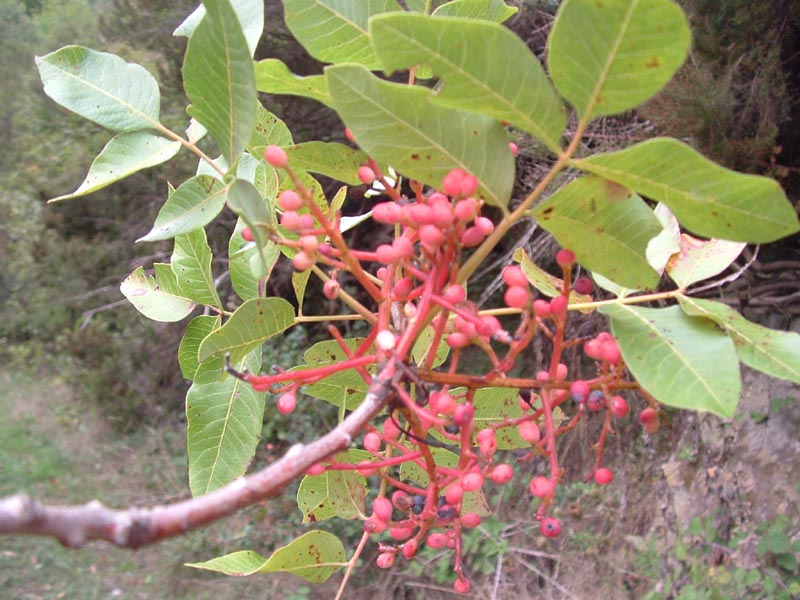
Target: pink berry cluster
(415,284)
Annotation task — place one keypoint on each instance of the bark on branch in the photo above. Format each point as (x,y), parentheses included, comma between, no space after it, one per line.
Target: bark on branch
(75,526)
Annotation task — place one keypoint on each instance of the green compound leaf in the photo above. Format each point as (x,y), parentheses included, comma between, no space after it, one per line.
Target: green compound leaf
(274,77)
(486,10)
(706,198)
(314,556)
(124,155)
(251,18)
(224,426)
(335,31)
(700,259)
(682,361)
(608,56)
(159,297)
(401,126)
(607,227)
(331,159)
(101,87)
(192,206)
(334,493)
(219,79)
(776,353)
(191,263)
(250,325)
(196,332)
(485,68)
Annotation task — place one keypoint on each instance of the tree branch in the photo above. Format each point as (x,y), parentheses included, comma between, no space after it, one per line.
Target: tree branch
(75,526)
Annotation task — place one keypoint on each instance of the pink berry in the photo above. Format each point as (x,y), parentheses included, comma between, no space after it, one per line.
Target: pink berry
(331,289)
(287,403)
(290,220)
(461,586)
(583,285)
(374,525)
(431,236)
(349,134)
(290,200)
(541,487)
(366,175)
(514,148)
(457,340)
(487,441)
(462,415)
(247,234)
(529,431)
(455,294)
(309,244)
(390,429)
(372,442)
(470,520)
(442,403)
(302,261)
(385,560)
(488,326)
(382,509)
(485,225)
(442,213)
(410,549)
(550,527)
(619,406)
(306,222)
(401,500)
(565,258)
(404,247)
(469,185)
(561,371)
(514,276)
(437,540)
(603,476)
(402,288)
(401,533)
(316,469)
(420,214)
(387,254)
(276,156)
(579,390)
(454,493)
(387,212)
(472,236)
(649,419)
(516,297)
(472,482)
(609,351)
(541,308)
(558,306)
(592,349)
(502,473)
(466,210)
(452,182)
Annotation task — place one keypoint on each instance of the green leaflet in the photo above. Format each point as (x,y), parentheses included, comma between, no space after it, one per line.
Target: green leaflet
(193,205)
(219,79)
(401,126)
(249,12)
(682,361)
(485,68)
(101,87)
(607,57)
(158,297)
(708,199)
(607,227)
(124,155)
(224,426)
(274,77)
(251,324)
(776,353)
(335,31)
(312,556)
(191,263)
(334,493)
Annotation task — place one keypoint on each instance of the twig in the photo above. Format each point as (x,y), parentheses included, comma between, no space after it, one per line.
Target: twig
(75,526)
